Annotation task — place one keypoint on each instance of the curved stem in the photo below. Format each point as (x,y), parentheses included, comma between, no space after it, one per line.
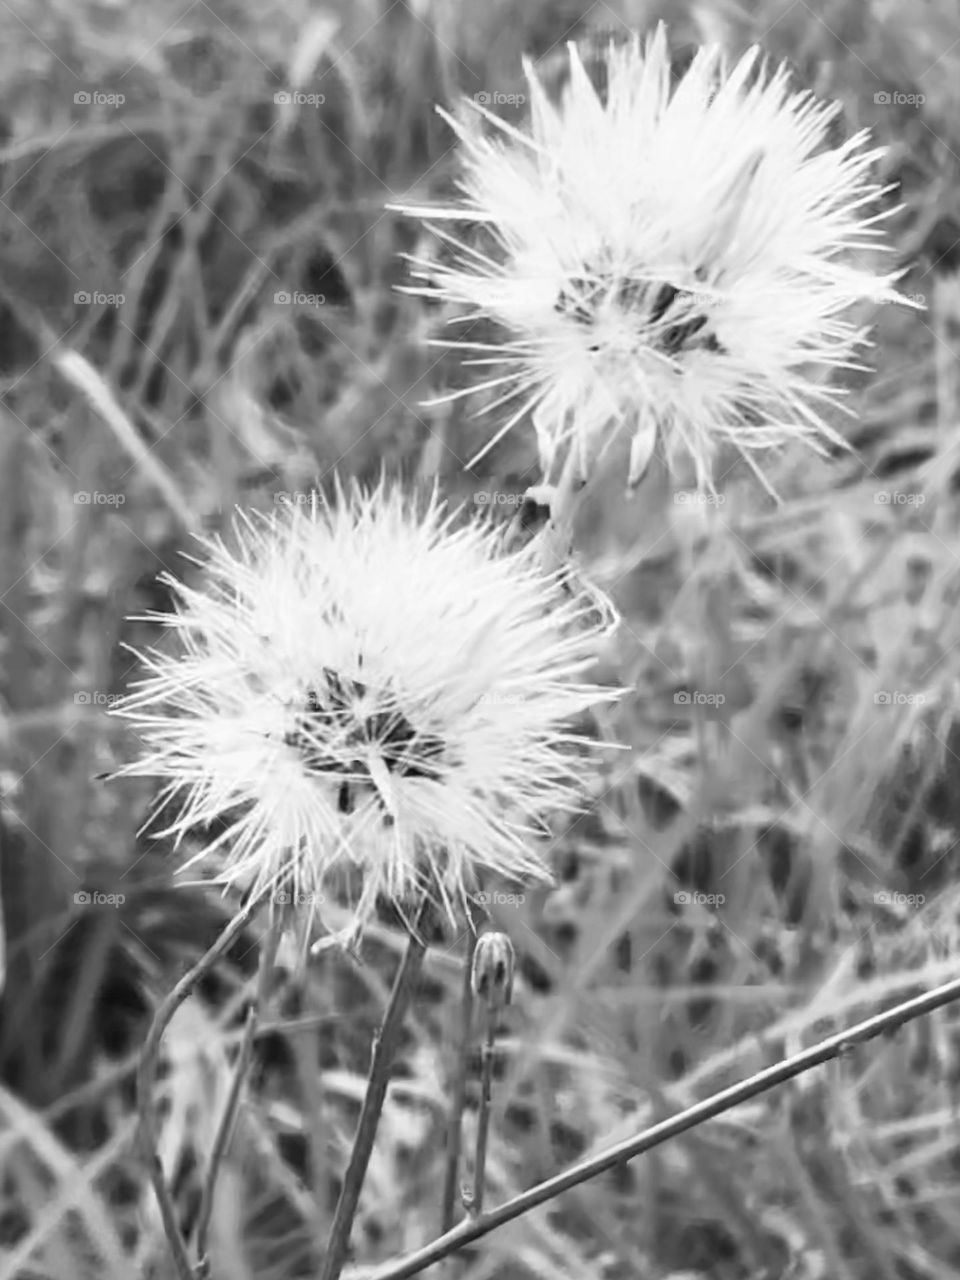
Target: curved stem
(268,955)
(385,1046)
(833,1047)
(146,1077)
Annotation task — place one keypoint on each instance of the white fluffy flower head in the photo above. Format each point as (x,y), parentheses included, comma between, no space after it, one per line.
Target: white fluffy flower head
(369,686)
(678,260)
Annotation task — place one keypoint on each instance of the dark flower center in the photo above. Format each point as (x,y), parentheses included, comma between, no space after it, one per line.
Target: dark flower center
(579,301)
(333,734)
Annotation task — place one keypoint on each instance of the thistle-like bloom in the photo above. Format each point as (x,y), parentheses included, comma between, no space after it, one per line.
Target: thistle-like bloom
(365,686)
(677,260)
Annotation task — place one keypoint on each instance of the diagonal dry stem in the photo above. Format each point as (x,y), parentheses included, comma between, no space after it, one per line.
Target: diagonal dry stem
(833,1047)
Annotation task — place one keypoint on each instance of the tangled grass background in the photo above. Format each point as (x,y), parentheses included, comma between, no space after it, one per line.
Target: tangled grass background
(773,857)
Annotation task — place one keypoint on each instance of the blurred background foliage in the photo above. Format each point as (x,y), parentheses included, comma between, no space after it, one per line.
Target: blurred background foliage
(793,727)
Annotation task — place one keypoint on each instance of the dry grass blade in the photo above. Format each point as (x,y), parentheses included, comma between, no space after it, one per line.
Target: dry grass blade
(75,1189)
(84,377)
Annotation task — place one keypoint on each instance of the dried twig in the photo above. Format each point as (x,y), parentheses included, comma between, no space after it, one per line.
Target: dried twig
(834,1046)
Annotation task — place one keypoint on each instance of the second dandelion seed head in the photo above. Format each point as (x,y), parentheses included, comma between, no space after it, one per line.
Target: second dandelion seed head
(676,259)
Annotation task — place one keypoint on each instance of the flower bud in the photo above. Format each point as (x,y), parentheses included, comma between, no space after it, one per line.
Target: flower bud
(492,974)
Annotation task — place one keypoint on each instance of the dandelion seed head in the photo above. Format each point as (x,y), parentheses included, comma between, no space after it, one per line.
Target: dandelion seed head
(371,686)
(674,259)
